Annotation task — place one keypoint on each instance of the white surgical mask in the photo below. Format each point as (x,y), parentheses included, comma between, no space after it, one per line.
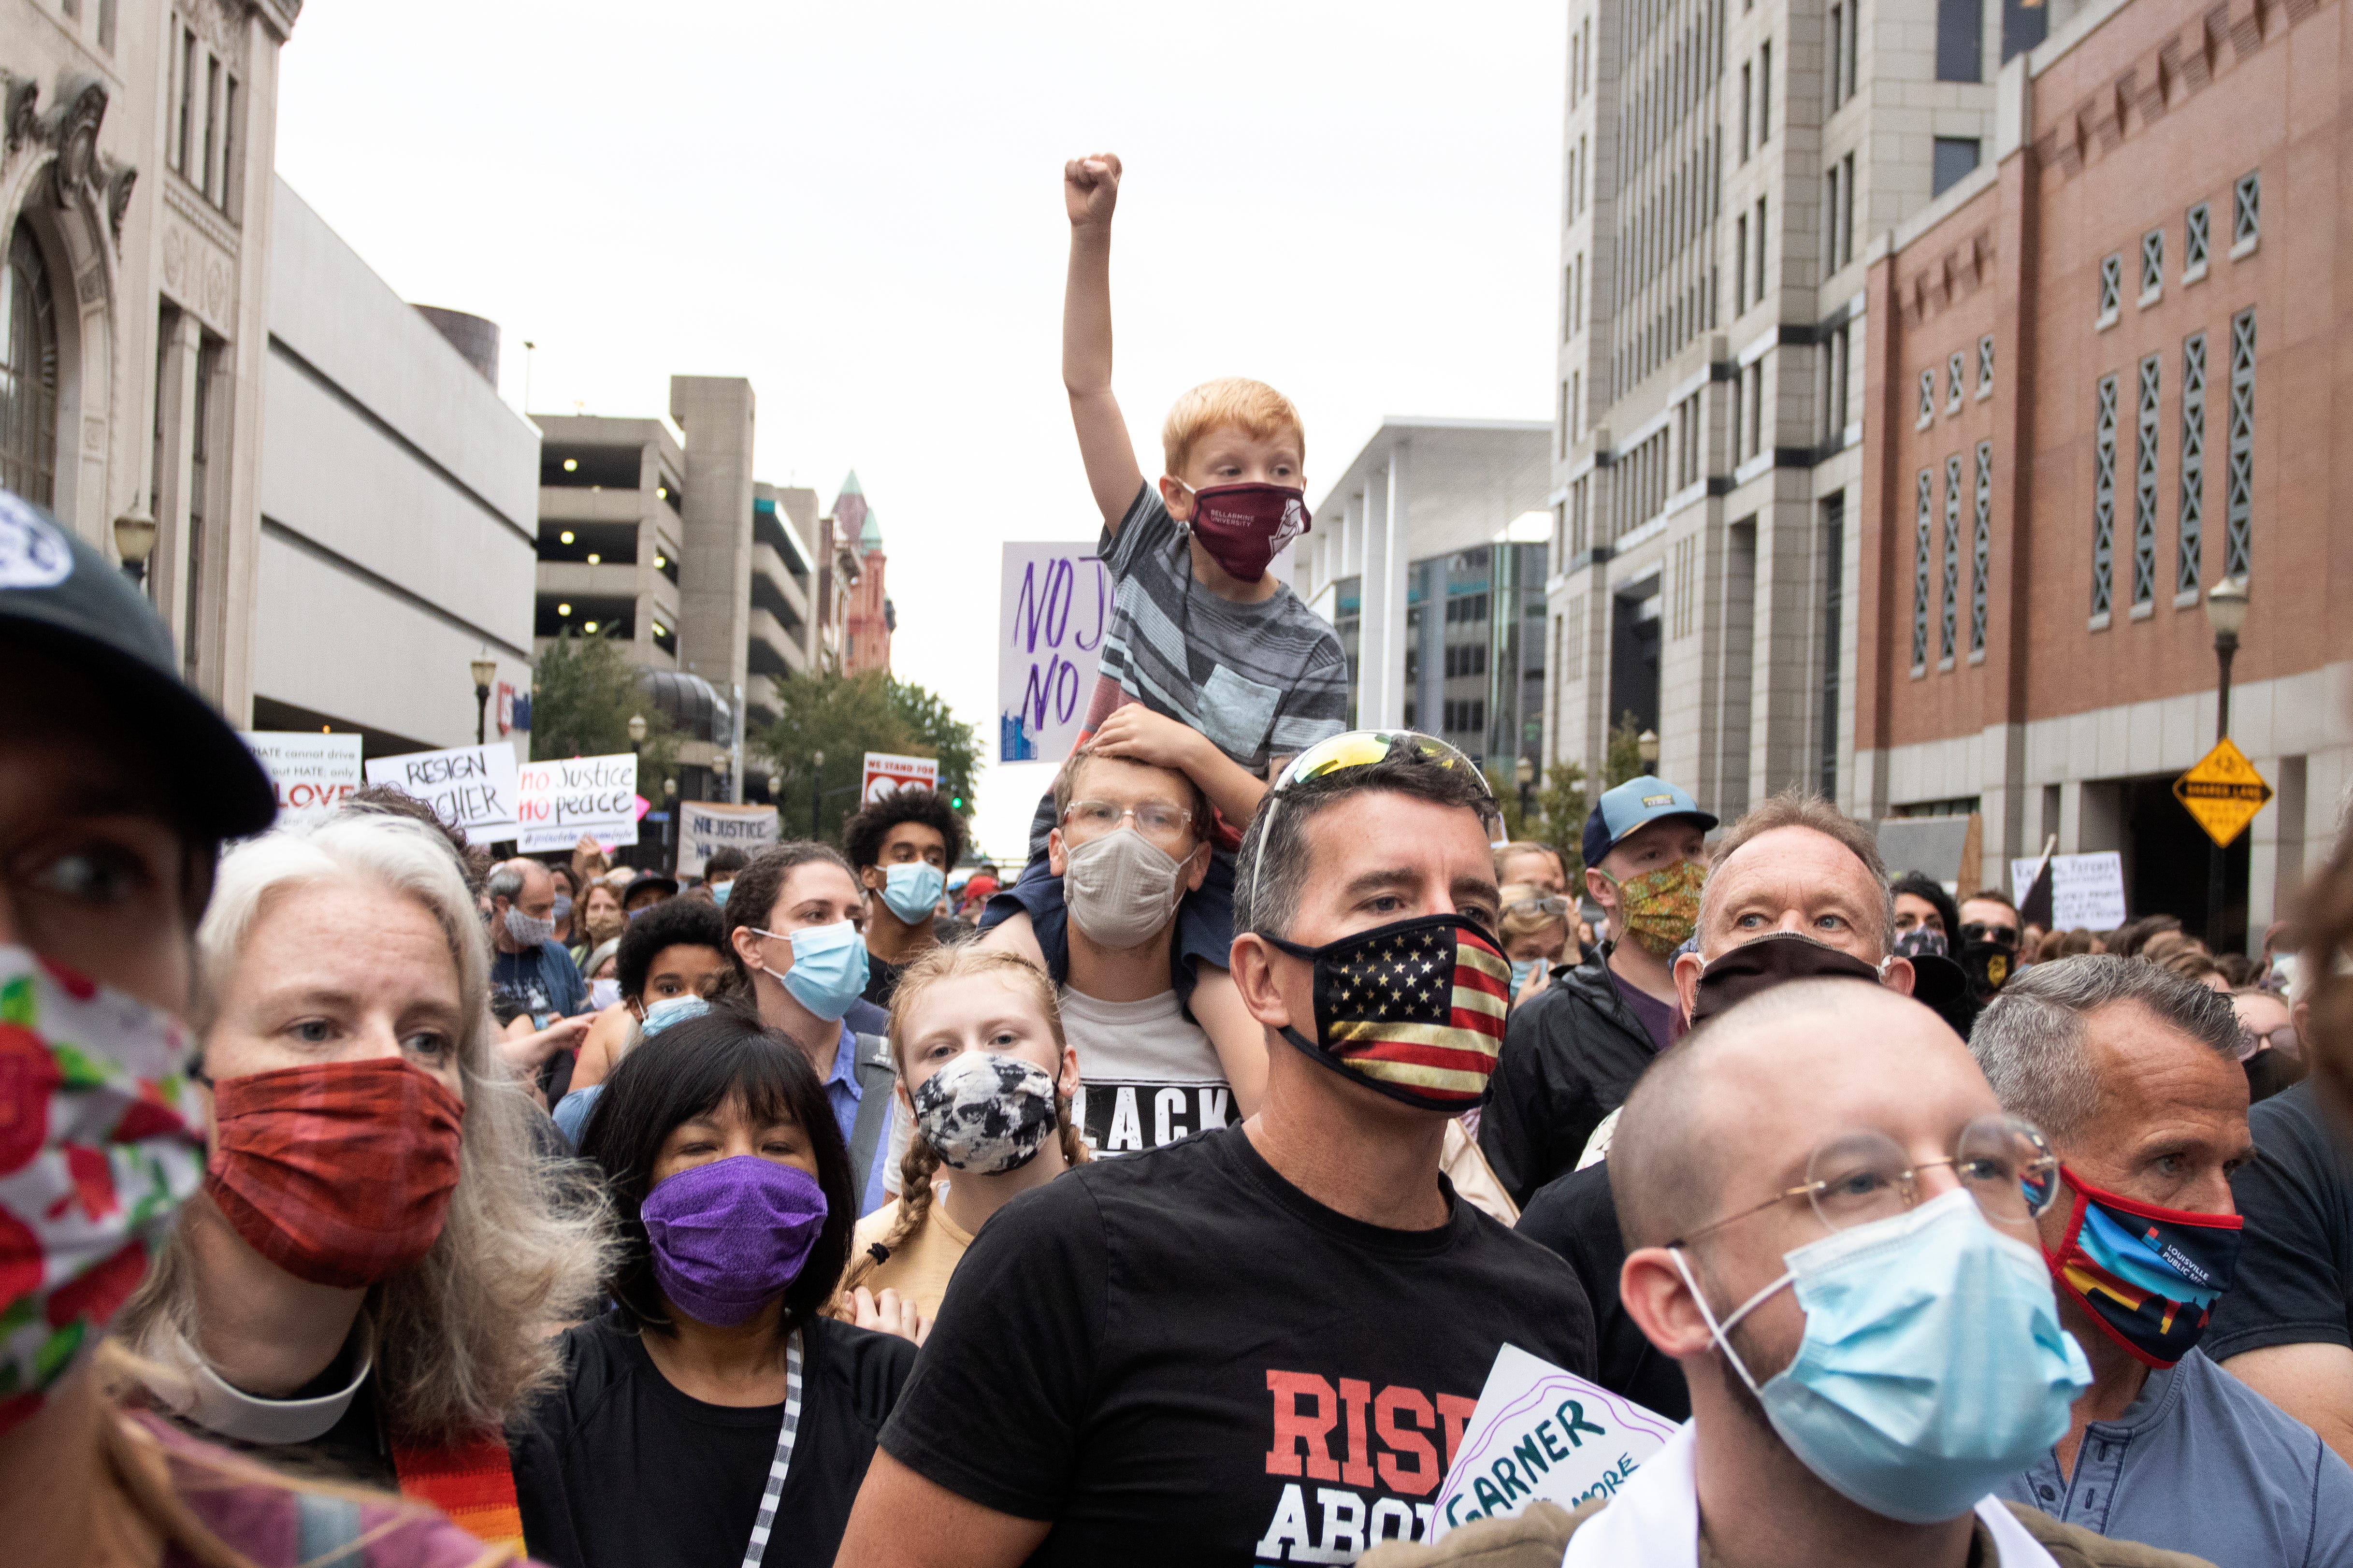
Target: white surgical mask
(1120,888)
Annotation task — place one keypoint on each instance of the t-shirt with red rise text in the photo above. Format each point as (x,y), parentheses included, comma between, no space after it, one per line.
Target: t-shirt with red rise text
(1181,1358)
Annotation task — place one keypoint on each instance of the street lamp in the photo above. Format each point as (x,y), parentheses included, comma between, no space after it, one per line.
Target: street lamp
(134,540)
(2226,612)
(1646,746)
(485,669)
(670,827)
(816,777)
(637,730)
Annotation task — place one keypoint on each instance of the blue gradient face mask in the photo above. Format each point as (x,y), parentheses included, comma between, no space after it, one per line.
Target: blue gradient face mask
(1933,1366)
(912,891)
(829,970)
(719,891)
(1521,969)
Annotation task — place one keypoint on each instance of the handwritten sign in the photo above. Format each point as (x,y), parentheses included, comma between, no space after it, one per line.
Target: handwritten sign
(1055,609)
(2086,889)
(472,787)
(1541,1432)
(313,773)
(887,774)
(561,800)
(706,826)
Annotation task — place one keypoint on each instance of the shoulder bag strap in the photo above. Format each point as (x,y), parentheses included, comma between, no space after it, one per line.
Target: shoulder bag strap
(877,1078)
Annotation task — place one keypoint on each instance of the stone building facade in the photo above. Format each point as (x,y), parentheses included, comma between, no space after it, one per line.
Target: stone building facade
(2106,379)
(866,615)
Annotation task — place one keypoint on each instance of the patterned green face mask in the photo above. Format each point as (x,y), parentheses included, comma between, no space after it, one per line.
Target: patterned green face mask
(1660,910)
(95,1158)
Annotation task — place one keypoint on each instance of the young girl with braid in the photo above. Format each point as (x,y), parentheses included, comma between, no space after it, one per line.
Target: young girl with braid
(986,1079)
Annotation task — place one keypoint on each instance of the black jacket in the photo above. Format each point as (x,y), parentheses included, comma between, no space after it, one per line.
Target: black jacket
(1578,1219)
(1570,1056)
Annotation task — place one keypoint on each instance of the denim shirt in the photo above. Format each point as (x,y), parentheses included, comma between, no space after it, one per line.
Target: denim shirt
(2201,1463)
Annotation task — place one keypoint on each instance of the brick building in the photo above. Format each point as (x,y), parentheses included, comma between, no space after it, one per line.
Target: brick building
(2103,382)
(867,616)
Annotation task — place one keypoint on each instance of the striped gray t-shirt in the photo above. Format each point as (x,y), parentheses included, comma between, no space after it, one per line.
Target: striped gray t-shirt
(1261,680)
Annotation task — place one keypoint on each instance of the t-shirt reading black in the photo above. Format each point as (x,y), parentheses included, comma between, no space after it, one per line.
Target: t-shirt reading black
(2295,1265)
(1179,1357)
(618,1469)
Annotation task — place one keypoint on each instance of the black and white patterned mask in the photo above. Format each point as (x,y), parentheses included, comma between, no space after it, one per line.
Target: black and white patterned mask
(986,1113)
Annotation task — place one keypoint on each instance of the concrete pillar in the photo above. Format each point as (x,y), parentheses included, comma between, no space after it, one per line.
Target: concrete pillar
(715,606)
(176,393)
(2276,852)
(1376,644)
(1395,526)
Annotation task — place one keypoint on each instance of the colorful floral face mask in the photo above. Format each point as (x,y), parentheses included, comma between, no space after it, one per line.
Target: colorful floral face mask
(95,1158)
(1660,910)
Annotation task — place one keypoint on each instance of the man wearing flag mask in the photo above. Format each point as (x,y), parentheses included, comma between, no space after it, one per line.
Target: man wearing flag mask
(2133,1074)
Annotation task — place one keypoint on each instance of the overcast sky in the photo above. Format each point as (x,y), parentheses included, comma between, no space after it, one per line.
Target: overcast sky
(859,208)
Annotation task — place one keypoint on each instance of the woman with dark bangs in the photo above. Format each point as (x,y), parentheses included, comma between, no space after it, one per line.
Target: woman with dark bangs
(714,1418)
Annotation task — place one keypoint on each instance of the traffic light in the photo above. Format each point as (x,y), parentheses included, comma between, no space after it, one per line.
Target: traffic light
(955,802)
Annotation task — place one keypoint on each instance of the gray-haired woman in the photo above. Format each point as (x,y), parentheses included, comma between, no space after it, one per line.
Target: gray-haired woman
(370,1271)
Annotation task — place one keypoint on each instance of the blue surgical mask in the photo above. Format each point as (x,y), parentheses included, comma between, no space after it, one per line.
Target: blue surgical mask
(829,970)
(1521,969)
(1933,1366)
(671,1010)
(719,892)
(912,891)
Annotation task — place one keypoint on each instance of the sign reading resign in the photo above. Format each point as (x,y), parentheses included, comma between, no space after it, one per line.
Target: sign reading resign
(1055,608)
(886,774)
(1541,1432)
(471,787)
(313,773)
(561,800)
(2086,889)
(706,826)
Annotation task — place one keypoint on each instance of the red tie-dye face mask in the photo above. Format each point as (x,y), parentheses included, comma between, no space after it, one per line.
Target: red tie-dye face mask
(1244,526)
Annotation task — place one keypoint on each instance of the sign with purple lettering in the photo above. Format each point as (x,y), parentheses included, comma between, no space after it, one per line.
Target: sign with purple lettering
(1056,607)
(1543,1433)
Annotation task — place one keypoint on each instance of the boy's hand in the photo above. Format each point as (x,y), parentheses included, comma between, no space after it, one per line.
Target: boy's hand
(1091,189)
(1137,733)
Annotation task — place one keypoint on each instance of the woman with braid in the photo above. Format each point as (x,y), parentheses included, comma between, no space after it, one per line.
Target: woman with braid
(989,1080)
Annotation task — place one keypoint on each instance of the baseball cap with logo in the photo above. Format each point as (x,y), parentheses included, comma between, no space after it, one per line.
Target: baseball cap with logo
(59,594)
(1631,805)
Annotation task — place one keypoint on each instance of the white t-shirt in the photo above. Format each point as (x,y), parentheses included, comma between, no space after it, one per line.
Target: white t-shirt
(1147,1075)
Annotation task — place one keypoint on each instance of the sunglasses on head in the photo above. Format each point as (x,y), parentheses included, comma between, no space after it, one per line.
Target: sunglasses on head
(1362,749)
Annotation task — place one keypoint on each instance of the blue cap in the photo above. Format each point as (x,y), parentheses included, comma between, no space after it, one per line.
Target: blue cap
(1637,801)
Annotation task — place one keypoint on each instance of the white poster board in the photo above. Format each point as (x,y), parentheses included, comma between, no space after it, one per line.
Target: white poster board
(2086,889)
(1541,1432)
(313,773)
(887,772)
(561,800)
(472,788)
(706,826)
(1055,608)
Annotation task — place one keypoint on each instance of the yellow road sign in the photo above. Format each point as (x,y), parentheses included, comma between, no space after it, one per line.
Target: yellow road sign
(2223,792)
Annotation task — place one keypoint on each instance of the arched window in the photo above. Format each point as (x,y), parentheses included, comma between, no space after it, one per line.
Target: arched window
(28,374)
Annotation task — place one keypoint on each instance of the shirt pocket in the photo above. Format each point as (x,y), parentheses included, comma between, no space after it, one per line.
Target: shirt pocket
(1237,712)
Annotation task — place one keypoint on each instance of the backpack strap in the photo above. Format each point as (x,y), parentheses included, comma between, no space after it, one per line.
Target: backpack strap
(877,1077)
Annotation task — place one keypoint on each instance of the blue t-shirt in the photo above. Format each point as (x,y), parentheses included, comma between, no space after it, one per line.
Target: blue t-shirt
(2201,1463)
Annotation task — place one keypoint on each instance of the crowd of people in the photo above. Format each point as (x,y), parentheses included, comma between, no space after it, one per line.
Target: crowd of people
(368,1201)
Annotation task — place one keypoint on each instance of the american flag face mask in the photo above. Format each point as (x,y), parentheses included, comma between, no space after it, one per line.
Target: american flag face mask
(1413,1009)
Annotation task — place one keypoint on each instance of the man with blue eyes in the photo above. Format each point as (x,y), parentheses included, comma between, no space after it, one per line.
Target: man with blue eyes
(2133,1074)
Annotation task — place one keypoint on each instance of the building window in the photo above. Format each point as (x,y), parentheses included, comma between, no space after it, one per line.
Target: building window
(1747,95)
(2144,587)
(2188,569)
(1954,159)
(2152,267)
(1928,400)
(1756,409)
(1760,250)
(208,177)
(2112,286)
(2194,243)
(2239,476)
(184,101)
(28,377)
(1948,621)
(1953,383)
(1572,652)
(1833,516)
(2104,497)
(1981,547)
(1846,213)
(1739,419)
(1834,388)
(1740,264)
(1984,366)
(1961,33)
(1686,574)
(1923,511)
(1764,92)
(2246,214)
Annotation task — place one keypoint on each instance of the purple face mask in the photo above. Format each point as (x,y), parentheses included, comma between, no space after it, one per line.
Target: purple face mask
(729,1236)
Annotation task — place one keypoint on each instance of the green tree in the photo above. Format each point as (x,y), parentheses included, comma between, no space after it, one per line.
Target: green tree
(584,693)
(1624,760)
(841,717)
(1554,814)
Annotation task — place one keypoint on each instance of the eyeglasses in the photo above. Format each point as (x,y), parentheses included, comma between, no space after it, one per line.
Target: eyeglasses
(2000,936)
(1152,820)
(1362,749)
(1858,1177)
(1552,905)
(2282,1038)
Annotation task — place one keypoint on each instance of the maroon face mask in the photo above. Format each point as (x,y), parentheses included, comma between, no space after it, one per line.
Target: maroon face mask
(1241,526)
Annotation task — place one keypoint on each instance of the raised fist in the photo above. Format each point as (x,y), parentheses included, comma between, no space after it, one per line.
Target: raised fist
(1090,188)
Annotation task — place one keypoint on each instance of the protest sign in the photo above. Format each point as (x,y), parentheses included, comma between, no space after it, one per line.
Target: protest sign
(706,826)
(886,773)
(472,788)
(1542,1433)
(561,800)
(2086,889)
(1056,607)
(311,772)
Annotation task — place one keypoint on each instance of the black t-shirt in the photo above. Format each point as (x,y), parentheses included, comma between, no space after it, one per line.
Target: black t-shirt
(618,1469)
(881,980)
(1179,1357)
(2295,1265)
(1577,1218)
